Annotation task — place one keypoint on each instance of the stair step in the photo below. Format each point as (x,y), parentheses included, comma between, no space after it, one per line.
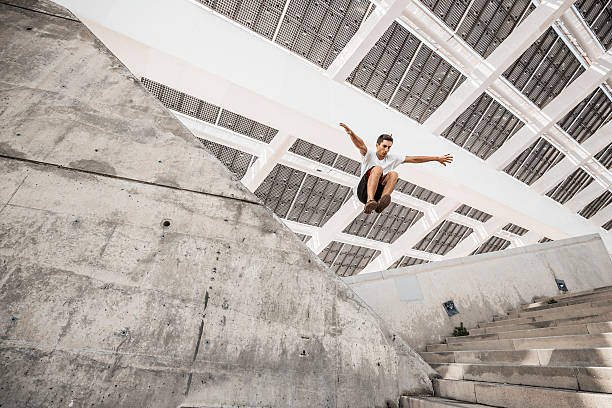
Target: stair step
(518,396)
(595,318)
(557,314)
(594,357)
(562,309)
(434,402)
(586,328)
(566,341)
(575,294)
(594,379)
(569,301)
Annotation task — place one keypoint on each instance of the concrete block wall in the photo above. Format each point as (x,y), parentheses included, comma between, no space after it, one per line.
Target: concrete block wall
(135,271)
(481,286)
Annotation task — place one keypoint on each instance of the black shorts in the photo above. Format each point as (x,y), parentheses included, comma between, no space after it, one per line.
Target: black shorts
(362,188)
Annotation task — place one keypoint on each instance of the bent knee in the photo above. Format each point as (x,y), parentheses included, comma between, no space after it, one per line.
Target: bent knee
(377,169)
(393,174)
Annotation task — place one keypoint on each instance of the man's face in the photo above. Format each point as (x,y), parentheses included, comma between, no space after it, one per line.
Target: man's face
(383,148)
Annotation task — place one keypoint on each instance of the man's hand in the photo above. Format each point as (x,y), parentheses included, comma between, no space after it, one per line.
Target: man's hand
(348,130)
(447,158)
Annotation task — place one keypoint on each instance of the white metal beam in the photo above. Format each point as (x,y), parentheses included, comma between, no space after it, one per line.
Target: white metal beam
(584,197)
(335,225)
(602,216)
(574,93)
(297,97)
(365,38)
(484,73)
(413,235)
(273,152)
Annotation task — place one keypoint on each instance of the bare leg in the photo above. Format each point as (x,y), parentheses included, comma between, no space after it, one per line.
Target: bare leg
(389,181)
(375,174)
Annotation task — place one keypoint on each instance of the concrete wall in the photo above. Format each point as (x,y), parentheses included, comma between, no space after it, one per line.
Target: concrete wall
(103,305)
(481,286)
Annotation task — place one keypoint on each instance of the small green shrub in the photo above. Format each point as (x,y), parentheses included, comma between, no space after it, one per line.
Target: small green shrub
(460,331)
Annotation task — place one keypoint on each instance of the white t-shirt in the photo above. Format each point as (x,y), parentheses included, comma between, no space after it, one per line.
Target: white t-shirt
(388,163)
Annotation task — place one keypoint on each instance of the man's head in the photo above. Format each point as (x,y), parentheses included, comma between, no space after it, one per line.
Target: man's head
(383,144)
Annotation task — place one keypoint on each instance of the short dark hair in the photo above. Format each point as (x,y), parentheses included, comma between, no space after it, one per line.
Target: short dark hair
(384,136)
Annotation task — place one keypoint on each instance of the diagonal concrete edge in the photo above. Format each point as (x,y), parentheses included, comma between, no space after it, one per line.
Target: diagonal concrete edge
(135,271)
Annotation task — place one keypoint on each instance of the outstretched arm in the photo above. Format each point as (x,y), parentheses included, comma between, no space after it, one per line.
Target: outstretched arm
(447,158)
(357,141)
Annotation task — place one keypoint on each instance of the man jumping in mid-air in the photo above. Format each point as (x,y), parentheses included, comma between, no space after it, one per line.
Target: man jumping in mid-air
(377,176)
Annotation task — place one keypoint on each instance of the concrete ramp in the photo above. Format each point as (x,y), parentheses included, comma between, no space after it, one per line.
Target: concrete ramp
(136,272)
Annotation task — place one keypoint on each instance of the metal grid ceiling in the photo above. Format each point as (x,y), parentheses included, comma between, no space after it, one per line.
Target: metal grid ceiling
(569,187)
(345,259)
(545,69)
(544,240)
(279,189)
(318,30)
(407,261)
(491,245)
(605,156)
(515,229)
(245,126)
(483,127)
(181,102)
(261,16)
(419,192)
(588,116)
(317,200)
(449,11)
(386,226)
(236,161)
(473,213)
(327,157)
(489,22)
(302,237)
(532,163)
(607,225)
(597,204)
(598,15)
(443,238)
(380,72)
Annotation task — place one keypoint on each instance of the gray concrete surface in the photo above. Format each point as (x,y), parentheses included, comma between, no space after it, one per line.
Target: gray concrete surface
(103,305)
(483,286)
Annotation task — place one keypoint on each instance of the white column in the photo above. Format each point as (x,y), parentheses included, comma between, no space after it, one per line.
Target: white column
(364,39)
(273,152)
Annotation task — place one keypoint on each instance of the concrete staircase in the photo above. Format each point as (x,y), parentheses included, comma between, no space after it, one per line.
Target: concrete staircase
(553,353)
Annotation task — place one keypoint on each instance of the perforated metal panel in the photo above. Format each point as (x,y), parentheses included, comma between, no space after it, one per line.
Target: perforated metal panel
(236,161)
(483,127)
(327,157)
(318,30)
(279,189)
(419,192)
(532,163)
(545,69)
(303,237)
(598,15)
(489,22)
(491,245)
(449,11)
(597,204)
(569,187)
(407,261)
(607,225)
(347,260)
(515,229)
(181,102)
(261,16)
(543,240)
(426,85)
(605,156)
(317,200)
(443,238)
(473,213)
(381,71)
(588,116)
(386,226)
(246,126)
